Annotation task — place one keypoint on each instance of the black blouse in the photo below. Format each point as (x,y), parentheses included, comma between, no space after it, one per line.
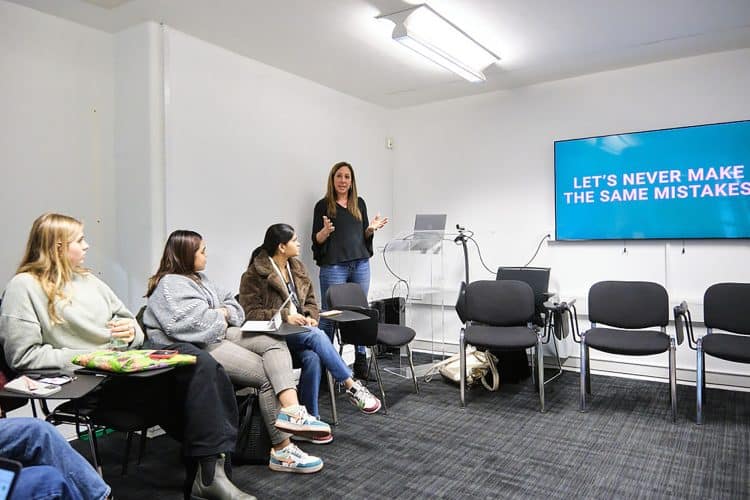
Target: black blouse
(347,242)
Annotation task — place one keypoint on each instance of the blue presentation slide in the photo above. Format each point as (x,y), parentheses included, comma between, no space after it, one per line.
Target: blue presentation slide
(689,182)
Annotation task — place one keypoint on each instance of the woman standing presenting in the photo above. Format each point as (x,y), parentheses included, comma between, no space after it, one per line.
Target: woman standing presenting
(342,243)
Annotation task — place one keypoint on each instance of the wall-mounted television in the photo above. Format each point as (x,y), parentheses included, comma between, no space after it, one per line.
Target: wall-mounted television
(677,183)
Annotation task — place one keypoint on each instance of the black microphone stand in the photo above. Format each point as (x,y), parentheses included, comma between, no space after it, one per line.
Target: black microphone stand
(463,238)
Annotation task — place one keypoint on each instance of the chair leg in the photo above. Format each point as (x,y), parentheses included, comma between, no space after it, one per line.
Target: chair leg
(700,381)
(533,367)
(673,378)
(380,381)
(540,367)
(332,391)
(584,372)
(142,444)
(462,367)
(411,365)
(126,455)
(94,448)
(369,365)
(588,371)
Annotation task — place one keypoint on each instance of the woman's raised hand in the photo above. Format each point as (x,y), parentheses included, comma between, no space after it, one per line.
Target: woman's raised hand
(377,223)
(328,226)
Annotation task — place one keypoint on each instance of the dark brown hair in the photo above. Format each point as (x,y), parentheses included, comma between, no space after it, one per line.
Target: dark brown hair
(275,236)
(178,257)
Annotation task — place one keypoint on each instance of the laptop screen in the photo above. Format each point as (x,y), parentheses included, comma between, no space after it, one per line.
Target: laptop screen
(430,222)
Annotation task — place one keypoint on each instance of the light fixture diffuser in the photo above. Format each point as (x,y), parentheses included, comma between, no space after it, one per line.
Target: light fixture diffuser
(423,30)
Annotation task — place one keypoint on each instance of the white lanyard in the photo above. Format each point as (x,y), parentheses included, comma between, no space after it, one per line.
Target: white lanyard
(292,307)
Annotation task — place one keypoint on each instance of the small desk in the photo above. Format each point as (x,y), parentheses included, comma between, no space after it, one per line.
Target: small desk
(556,326)
(80,386)
(76,388)
(103,374)
(346,317)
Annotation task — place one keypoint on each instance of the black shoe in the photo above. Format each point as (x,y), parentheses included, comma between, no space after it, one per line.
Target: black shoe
(360,366)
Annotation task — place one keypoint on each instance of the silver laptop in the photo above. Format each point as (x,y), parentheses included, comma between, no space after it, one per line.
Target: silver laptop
(429,230)
(266,326)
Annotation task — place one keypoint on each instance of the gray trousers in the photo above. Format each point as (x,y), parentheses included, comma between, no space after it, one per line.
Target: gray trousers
(259,361)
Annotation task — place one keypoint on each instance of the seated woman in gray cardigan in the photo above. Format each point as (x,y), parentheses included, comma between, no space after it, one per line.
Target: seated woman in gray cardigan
(183,305)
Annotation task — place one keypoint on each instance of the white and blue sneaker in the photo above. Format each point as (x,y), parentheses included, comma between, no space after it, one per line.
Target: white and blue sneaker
(292,459)
(297,421)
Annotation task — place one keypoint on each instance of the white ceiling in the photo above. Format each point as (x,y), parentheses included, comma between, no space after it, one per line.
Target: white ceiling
(339,44)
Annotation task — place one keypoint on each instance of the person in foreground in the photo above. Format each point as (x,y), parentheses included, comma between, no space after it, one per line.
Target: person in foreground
(54,309)
(275,273)
(184,305)
(51,468)
(342,240)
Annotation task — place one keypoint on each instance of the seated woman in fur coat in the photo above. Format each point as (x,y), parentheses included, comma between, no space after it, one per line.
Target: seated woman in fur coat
(275,274)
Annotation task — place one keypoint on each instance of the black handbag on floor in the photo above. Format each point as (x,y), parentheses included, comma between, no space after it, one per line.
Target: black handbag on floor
(253,441)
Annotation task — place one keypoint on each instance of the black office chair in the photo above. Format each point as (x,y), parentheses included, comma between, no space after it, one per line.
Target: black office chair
(538,280)
(498,316)
(368,333)
(98,418)
(6,374)
(629,307)
(8,403)
(724,309)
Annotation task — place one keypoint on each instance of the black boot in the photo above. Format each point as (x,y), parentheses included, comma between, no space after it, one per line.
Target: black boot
(219,486)
(360,366)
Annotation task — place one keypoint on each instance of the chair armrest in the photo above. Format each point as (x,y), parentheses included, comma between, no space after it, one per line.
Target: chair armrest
(683,321)
(563,311)
(369,311)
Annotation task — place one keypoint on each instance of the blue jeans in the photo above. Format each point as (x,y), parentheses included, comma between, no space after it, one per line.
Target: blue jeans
(44,482)
(356,271)
(315,349)
(35,442)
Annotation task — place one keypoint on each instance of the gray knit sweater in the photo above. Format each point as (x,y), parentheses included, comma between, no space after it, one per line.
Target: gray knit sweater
(181,309)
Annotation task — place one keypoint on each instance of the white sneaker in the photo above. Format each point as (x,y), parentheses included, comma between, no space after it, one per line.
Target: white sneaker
(301,423)
(292,459)
(362,398)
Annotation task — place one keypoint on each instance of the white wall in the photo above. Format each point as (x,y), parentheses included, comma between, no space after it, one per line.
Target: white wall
(56,137)
(249,146)
(487,161)
(139,157)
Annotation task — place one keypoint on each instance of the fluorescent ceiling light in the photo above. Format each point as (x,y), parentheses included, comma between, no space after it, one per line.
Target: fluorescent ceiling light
(428,33)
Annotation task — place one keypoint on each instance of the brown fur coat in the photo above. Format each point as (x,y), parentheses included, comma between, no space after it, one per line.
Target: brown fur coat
(262,291)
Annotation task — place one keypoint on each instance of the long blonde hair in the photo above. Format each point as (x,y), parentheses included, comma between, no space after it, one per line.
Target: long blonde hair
(46,256)
(352,203)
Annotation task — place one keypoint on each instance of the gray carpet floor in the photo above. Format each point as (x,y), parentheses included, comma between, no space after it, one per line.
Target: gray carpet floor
(500,446)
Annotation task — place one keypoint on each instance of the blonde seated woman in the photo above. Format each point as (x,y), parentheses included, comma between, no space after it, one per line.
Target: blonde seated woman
(54,308)
(184,305)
